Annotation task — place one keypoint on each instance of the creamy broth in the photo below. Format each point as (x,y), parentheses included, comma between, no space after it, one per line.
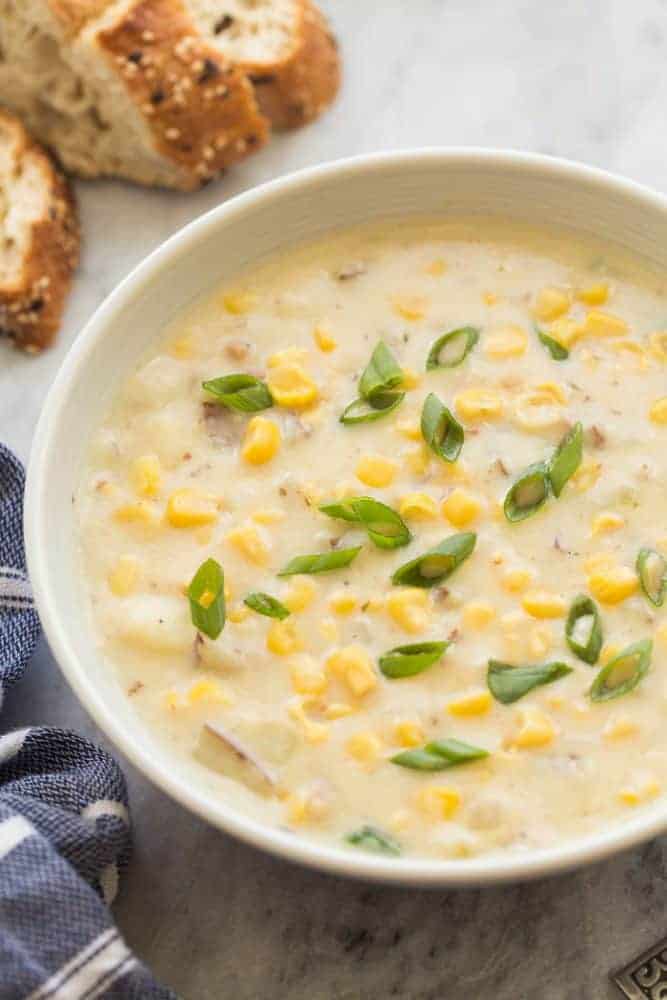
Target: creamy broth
(298,721)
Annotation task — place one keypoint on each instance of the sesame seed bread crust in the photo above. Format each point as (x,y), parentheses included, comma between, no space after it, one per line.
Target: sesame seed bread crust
(33,297)
(298,88)
(201,111)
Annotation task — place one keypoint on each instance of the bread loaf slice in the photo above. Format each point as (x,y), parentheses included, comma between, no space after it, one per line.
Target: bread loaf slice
(285,46)
(39,239)
(126,88)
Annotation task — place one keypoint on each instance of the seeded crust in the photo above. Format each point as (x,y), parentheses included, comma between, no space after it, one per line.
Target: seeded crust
(32,302)
(201,111)
(297,89)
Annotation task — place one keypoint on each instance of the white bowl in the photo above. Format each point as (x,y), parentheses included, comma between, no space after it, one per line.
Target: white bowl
(301,206)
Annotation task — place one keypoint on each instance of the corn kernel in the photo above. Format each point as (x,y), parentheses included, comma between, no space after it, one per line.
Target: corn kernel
(535,730)
(411,308)
(190,508)
(181,349)
(283,638)
(364,747)
(550,303)
(238,614)
(411,379)
(436,268)
(338,710)
(586,475)
(661,634)
(410,429)
(343,602)
(540,641)
(418,460)
(601,324)
(297,809)
(146,477)
(477,614)
(353,665)
(633,352)
(329,629)
(473,703)
(315,732)
(594,295)
(490,298)
(324,340)
(140,513)
(208,690)
(658,411)
(507,342)
(606,521)
(608,652)
(543,604)
(409,608)
(374,470)
(634,796)
(417,507)
(408,733)
(238,303)
(250,544)
(268,515)
(123,577)
(173,700)
(439,802)
(613,584)
(292,355)
(300,594)
(478,404)
(620,727)
(262,441)
(516,580)
(460,508)
(540,408)
(566,331)
(658,345)
(307,676)
(291,386)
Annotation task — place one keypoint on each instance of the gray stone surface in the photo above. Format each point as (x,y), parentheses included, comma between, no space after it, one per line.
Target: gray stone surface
(583,79)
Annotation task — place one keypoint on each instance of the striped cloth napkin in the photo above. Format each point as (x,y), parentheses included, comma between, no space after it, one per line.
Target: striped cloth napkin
(64,825)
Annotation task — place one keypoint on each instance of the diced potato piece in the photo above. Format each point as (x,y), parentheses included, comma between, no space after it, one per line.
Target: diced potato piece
(344,602)
(262,441)
(247,539)
(354,666)
(283,638)
(324,340)
(472,703)
(154,624)
(605,522)
(409,607)
(601,324)
(478,404)
(300,595)
(550,303)
(478,614)
(375,470)
(364,747)
(594,295)
(307,676)
(124,576)
(658,411)
(408,733)
(146,475)
(438,802)
(506,342)
(460,508)
(613,584)
(543,604)
(417,507)
(190,508)
(535,730)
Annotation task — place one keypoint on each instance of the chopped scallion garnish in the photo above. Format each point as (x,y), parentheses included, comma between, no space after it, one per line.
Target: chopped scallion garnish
(652,572)
(264,604)
(452,348)
(371,839)
(320,562)
(406,661)
(240,392)
(555,349)
(566,459)
(438,755)
(361,411)
(206,594)
(440,429)
(623,673)
(583,629)
(528,494)
(378,388)
(508,683)
(438,563)
(385,527)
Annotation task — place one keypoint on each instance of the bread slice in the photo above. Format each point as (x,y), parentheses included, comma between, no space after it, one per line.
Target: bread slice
(39,239)
(126,88)
(285,46)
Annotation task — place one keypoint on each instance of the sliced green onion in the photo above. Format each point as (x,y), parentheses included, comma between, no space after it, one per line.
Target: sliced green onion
(264,604)
(406,661)
(556,350)
(361,411)
(240,392)
(381,373)
(438,755)
(583,629)
(371,839)
(385,527)
(528,494)
(437,564)
(206,594)
(320,562)
(623,673)
(451,349)
(566,459)
(652,572)
(440,429)
(508,683)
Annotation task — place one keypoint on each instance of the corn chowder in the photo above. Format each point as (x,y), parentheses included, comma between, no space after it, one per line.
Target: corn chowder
(376,540)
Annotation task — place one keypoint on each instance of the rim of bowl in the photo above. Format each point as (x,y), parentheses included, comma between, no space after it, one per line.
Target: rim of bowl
(482,870)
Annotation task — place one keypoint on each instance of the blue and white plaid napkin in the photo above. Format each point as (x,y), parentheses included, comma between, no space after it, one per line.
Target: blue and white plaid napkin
(64,825)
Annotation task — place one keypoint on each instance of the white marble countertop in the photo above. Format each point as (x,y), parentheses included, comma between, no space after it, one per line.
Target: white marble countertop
(216,919)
